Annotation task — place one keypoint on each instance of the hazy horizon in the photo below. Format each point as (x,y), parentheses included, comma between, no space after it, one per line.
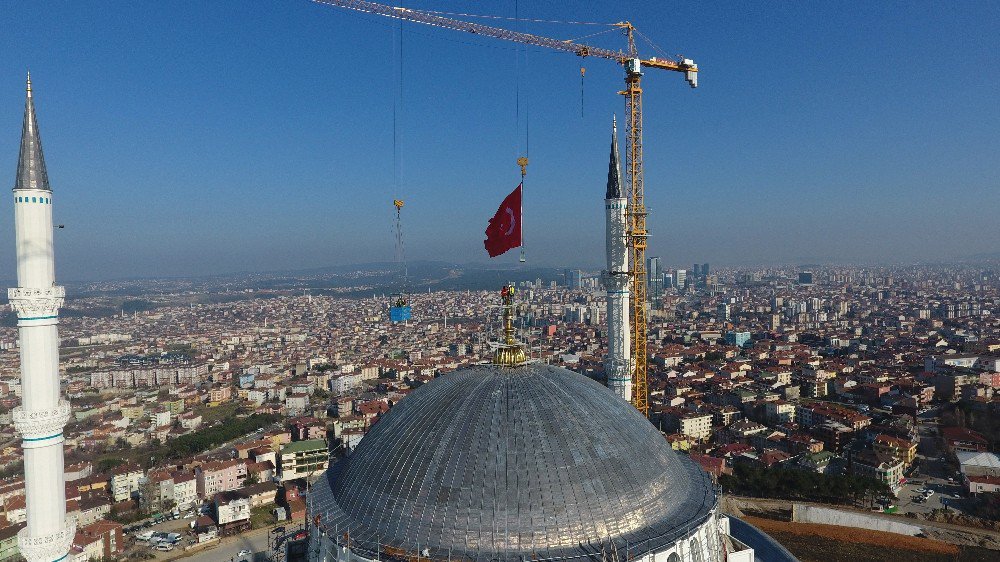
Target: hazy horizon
(193,139)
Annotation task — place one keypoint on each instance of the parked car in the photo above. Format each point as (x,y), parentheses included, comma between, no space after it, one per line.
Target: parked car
(164,547)
(245,552)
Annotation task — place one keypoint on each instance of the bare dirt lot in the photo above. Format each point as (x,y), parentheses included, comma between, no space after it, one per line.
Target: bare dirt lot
(827,543)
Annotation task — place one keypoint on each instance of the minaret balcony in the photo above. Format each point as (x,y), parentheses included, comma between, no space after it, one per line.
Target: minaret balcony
(39,428)
(47,547)
(32,303)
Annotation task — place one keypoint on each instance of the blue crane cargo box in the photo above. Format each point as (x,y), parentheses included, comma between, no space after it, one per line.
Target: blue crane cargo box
(399,313)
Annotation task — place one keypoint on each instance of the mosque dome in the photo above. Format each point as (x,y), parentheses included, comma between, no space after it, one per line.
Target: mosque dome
(535,462)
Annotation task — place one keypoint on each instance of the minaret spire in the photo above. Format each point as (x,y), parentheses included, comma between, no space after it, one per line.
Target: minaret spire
(31,172)
(614,170)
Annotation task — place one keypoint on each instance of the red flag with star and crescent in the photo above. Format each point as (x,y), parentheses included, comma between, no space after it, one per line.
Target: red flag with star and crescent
(504,230)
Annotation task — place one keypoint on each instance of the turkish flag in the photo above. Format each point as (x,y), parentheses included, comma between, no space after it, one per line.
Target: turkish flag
(504,230)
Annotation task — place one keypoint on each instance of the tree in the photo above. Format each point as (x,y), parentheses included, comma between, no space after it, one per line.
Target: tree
(107,463)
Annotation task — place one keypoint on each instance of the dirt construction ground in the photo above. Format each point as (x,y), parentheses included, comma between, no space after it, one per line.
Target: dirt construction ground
(828,543)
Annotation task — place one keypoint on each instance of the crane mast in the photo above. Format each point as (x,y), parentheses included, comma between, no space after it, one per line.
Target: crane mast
(633,65)
(637,233)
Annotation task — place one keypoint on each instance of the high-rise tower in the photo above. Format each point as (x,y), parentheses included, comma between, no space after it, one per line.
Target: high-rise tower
(43,413)
(617,364)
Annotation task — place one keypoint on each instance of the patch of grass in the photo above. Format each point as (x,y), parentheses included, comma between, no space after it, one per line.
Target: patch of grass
(210,415)
(262,516)
(14,469)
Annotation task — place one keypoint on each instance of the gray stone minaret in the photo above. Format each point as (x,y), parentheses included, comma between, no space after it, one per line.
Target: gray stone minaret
(43,413)
(616,279)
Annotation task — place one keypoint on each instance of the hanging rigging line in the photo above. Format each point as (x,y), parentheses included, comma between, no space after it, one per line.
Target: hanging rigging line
(397,159)
(593,34)
(522,161)
(515,18)
(651,44)
(397,110)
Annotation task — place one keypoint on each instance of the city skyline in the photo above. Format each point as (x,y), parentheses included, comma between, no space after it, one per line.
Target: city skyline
(182,155)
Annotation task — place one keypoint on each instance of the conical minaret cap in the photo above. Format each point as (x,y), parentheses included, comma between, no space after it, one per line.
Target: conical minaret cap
(614,172)
(31,172)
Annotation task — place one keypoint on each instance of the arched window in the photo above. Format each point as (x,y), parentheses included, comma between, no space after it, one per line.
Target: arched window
(696,554)
(34,200)
(674,557)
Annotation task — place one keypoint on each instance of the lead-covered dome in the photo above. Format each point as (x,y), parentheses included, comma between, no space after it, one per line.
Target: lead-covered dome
(534,461)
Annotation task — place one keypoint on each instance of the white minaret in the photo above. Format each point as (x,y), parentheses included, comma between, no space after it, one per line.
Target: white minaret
(43,413)
(616,279)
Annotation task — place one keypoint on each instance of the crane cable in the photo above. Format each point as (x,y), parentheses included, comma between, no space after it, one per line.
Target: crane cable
(400,246)
(522,161)
(654,45)
(397,159)
(515,18)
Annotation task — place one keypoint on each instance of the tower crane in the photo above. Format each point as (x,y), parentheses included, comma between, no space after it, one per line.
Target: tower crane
(633,65)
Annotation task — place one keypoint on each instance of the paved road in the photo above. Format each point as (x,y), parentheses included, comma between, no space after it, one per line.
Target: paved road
(255,541)
(933,474)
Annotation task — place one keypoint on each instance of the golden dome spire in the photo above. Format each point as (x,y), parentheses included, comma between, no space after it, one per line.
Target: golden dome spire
(508,353)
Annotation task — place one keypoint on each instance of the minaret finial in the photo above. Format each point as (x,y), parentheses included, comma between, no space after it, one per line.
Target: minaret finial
(508,353)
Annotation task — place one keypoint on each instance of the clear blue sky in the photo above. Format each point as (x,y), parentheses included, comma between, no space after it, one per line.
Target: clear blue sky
(202,137)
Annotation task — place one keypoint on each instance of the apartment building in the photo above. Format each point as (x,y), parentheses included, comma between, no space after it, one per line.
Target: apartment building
(220,476)
(303,458)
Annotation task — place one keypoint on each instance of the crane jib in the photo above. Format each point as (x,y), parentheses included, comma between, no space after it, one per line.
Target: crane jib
(501,33)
